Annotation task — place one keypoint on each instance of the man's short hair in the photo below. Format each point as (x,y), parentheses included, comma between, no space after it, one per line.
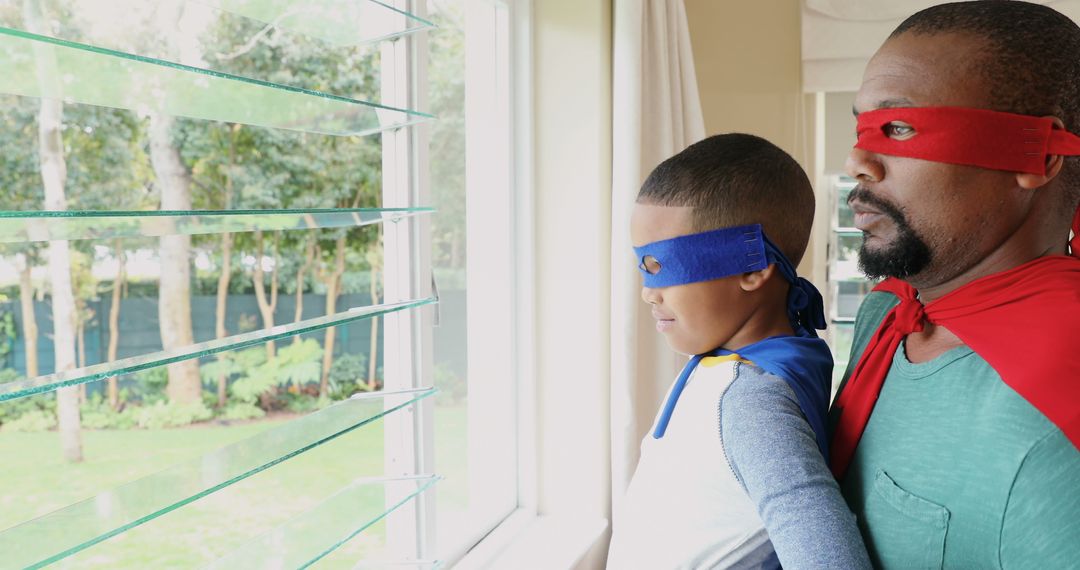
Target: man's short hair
(1032,66)
(737,179)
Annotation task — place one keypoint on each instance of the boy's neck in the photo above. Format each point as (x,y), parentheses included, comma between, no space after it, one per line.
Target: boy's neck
(769,317)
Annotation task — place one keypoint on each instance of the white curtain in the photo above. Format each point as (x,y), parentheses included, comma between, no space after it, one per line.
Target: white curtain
(840,36)
(656,113)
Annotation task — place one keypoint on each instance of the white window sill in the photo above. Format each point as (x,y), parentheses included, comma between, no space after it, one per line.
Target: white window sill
(525,540)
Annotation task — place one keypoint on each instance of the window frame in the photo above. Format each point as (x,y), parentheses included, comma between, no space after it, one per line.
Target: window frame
(507,388)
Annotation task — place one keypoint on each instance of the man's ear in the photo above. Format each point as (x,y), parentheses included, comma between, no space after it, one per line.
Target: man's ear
(1054,163)
(754,280)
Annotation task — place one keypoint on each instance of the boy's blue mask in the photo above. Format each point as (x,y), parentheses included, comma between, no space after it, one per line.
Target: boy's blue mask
(721,253)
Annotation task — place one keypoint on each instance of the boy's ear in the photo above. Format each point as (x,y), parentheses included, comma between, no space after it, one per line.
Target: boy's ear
(754,280)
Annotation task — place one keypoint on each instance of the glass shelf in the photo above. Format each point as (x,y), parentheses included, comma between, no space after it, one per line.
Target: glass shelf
(337,22)
(98,76)
(398,565)
(20,227)
(64,532)
(50,382)
(309,537)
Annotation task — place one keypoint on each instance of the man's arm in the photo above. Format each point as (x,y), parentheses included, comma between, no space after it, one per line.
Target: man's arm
(774,454)
(1041,526)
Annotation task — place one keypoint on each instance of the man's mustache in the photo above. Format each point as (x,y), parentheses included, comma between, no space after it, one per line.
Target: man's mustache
(864,195)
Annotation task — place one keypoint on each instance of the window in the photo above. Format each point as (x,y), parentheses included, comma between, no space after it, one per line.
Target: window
(303,430)
(847,285)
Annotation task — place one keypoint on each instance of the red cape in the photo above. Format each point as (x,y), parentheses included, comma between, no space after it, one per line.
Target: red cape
(1036,304)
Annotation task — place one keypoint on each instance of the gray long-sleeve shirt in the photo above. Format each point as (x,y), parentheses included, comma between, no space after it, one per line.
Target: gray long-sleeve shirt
(772,450)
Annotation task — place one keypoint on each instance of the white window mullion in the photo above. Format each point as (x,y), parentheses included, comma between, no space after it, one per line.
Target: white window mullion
(407,335)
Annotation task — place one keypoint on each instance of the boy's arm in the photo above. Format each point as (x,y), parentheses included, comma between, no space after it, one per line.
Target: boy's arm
(773,452)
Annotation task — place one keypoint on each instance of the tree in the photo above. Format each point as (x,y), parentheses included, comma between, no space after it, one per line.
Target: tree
(107,163)
(174,297)
(174,183)
(277,168)
(53,178)
(20,178)
(266,307)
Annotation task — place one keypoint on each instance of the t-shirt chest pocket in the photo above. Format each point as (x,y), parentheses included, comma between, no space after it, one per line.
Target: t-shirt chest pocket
(903,530)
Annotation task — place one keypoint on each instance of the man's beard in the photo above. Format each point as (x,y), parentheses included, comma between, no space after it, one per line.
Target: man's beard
(906,256)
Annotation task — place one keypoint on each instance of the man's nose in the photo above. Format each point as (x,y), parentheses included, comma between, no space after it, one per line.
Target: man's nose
(864,166)
(650,296)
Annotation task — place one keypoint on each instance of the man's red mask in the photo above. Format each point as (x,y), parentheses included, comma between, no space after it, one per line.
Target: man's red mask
(975,137)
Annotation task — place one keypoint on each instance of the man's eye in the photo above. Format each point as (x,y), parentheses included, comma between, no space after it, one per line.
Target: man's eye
(898,131)
(650,265)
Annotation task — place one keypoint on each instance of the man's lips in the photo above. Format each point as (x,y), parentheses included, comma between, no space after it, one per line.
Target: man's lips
(865,216)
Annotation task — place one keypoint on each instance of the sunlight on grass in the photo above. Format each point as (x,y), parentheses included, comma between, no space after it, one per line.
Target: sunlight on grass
(35,481)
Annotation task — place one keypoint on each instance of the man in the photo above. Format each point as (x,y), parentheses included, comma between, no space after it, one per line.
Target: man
(955,432)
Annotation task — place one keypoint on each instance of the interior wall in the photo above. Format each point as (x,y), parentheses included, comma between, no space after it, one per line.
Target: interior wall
(748,60)
(572,218)
(839,130)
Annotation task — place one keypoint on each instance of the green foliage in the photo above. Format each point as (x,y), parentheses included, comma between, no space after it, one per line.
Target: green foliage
(446,74)
(169,414)
(97,414)
(35,420)
(349,368)
(452,388)
(238,411)
(12,410)
(347,375)
(295,364)
(302,403)
(7,333)
(149,386)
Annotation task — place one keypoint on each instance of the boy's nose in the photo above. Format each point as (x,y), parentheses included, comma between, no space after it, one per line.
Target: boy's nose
(650,296)
(864,166)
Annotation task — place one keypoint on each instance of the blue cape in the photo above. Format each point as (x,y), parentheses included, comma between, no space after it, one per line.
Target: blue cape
(803,361)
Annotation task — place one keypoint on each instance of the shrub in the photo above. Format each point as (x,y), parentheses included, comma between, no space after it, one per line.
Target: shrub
(34,420)
(296,364)
(97,414)
(149,385)
(163,415)
(452,388)
(302,403)
(237,411)
(348,374)
(14,409)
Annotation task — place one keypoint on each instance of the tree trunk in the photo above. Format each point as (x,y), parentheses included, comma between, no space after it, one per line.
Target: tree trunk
(373,350)
(29,321)
(80,345)
(219,311)
(174,299)
(333,285)
(114,320)
(53,178)
(226,272)
(266,308)
(309,258)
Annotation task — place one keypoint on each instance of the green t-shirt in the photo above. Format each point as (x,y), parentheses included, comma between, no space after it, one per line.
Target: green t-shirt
(957,470)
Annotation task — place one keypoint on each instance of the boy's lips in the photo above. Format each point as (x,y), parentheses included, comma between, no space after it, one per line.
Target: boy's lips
(664,322)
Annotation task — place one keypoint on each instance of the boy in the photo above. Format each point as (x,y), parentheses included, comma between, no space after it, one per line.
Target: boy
(734,473)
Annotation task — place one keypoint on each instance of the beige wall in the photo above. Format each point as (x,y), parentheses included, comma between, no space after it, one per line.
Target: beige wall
(748,60)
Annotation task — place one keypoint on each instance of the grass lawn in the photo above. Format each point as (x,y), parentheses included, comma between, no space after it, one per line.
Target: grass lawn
(35,481)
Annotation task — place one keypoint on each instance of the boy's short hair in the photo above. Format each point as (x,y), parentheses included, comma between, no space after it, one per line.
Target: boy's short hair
(737,179)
